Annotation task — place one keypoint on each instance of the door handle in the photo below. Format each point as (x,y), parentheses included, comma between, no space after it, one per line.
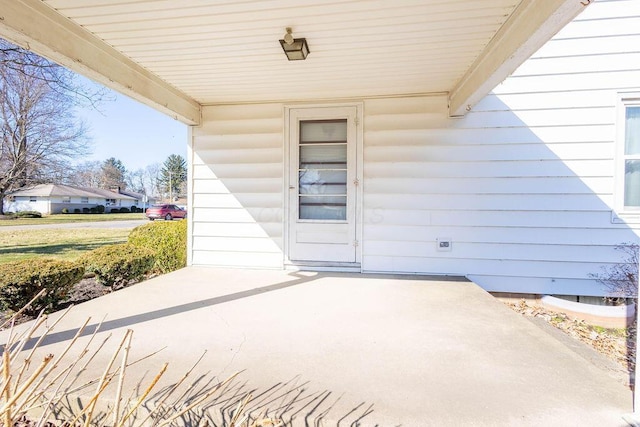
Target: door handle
(292,187)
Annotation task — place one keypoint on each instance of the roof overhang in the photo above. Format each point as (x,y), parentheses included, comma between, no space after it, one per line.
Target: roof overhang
(178,56)
(530,26)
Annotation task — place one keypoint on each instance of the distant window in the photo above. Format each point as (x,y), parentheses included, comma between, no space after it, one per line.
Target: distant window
(33,199)
(111,202)
(66,199)
(84,200)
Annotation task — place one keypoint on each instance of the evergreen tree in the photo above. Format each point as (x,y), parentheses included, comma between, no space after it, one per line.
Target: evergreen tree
(173,175)
(113,174)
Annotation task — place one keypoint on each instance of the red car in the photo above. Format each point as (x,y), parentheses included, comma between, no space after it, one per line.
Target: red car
(166,212)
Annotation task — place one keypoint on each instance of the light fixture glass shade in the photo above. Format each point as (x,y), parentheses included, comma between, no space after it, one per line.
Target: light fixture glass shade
(297,50)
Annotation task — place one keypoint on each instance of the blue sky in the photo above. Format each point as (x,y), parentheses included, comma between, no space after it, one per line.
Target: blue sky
(132,132)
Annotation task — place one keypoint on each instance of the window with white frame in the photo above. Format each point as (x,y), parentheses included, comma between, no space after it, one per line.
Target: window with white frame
(66,199)
(84,200)
(629,157)
(33,198)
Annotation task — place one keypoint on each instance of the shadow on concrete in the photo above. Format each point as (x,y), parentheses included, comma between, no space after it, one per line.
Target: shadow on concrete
(213,402)
(291,402)
(301,279)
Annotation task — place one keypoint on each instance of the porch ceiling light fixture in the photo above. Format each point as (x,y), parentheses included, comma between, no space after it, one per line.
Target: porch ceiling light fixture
(295,49)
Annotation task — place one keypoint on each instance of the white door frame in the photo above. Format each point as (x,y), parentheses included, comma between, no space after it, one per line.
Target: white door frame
(359,189)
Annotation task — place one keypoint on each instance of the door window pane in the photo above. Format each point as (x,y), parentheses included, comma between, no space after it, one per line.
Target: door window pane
(323,207)
(326,156)
(323,181)
(322,170)
(319,131)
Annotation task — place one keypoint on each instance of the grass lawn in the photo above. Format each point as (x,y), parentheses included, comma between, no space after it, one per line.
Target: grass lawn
(66,218)
(56,243)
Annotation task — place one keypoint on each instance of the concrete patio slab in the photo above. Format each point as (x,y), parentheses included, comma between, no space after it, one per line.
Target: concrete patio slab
(351,349)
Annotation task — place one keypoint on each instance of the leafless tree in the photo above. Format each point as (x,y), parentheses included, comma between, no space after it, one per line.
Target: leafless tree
(40,133)
(152,180)
(621,279)
(135,181)
(14,59)
(85,174)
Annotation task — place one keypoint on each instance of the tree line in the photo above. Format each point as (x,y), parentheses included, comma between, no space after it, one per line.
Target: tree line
(166,180)
(42,138)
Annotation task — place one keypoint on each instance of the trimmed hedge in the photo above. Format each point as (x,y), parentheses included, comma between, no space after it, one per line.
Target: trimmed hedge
(117,265)
(20,281)
(168,240)
(28,214)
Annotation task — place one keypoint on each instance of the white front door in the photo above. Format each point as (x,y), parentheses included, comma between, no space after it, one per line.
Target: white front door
(323,182)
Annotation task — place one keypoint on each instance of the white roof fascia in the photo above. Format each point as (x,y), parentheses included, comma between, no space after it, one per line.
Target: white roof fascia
(531,25)
(35,26)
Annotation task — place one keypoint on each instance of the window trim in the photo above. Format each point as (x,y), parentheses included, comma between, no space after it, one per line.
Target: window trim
(621,213)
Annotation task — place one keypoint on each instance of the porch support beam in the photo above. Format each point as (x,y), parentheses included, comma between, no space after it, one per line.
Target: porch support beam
(532,24)
(35,26)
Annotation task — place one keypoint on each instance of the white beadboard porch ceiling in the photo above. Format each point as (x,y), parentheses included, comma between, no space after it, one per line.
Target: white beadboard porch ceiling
(180,55)
(228,51)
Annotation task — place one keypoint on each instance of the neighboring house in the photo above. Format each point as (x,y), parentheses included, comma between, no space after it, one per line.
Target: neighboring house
(54,198)
(144,201)
(385,151)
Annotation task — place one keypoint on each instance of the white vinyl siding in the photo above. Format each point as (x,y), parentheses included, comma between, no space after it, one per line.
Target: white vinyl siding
(523,185)
(237,186)
(525,211)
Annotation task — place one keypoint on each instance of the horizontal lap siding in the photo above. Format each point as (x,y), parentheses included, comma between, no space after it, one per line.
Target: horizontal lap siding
(523,185)
(237,187)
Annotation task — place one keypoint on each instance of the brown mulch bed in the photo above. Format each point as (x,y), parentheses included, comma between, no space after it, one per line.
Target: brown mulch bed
(617,344)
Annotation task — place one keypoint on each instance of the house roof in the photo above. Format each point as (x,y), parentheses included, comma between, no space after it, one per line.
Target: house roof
(180,55)
(48,190)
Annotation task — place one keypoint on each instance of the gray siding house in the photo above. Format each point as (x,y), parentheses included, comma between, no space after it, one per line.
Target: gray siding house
(54,198)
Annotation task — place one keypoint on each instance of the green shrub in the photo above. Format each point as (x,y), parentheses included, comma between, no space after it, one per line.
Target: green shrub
(93,210)
(124,210)
(65,210)
(168,240)
(114,210)
(28,214)
(20,281)
(100,208)
(117,265)
(86,210)
(76,210)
